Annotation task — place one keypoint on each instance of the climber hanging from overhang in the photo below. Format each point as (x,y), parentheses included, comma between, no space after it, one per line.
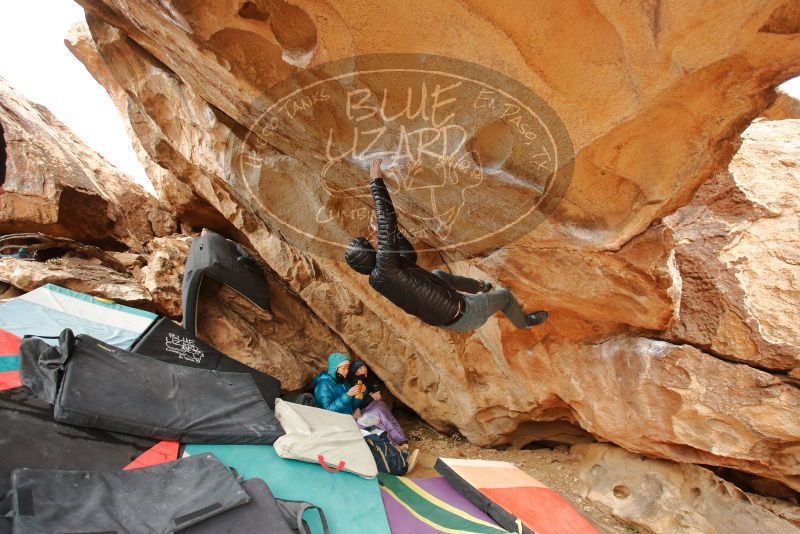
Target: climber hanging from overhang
(437,297)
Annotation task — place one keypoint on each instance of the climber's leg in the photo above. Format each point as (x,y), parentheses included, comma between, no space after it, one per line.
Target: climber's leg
(512,309)
(479,308)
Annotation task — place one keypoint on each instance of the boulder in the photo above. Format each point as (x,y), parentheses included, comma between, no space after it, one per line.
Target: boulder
(785,106)
(665,497)
(738,251)
(286,342)
(162,275)
(78,274)
(672,401)
(169,181)
(645,102)
(53,183)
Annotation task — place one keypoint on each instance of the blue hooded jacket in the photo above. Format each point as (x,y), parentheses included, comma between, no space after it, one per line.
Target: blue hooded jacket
(330,392)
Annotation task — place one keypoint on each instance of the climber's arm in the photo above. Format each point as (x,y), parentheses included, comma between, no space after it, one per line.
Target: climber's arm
(387,256)
(461,283)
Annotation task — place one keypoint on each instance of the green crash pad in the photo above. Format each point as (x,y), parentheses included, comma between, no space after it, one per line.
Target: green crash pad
(346,499)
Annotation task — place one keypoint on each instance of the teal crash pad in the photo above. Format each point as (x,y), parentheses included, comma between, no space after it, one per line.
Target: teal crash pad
(346,499)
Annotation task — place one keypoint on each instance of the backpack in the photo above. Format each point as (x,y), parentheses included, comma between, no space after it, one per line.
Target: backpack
(388,458)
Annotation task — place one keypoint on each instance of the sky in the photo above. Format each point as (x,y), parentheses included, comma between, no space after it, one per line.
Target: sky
(792,87)
(36,62)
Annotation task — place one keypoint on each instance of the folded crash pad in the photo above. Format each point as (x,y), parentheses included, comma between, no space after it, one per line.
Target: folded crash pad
(351,503)
(516,500)
(159,499)
(429,506)
(48,310)
(226,262)
(168,342)
(30,438)
(321,436)
(96,385)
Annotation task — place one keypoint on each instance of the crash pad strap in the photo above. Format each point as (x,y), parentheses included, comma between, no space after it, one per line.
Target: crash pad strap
(293,511)
(191,516)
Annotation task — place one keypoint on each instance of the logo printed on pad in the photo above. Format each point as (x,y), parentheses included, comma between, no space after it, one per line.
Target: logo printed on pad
(184,348)
(456,138)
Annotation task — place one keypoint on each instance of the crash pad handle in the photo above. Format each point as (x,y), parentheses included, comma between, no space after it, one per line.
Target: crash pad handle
(326,467)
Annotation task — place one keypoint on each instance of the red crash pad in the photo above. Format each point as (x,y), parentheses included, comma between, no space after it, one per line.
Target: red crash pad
(516,500)
(9,343)
(161,452)
(9,380)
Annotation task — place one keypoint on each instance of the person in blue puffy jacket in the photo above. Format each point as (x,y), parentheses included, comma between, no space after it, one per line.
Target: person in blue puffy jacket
(332,391)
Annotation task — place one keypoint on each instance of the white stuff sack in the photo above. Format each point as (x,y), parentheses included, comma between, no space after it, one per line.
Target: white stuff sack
(322,436)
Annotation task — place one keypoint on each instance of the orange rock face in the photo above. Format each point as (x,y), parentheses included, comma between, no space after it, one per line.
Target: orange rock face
(261,113)
(737,250)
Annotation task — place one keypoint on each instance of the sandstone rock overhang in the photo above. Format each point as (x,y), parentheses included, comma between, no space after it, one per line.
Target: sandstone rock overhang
(654,98)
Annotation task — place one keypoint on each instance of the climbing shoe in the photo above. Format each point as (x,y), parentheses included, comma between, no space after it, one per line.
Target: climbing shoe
(536,318)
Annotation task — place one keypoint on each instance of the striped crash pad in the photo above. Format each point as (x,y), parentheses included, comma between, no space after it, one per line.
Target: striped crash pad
(516,500)
(429,506)
(48,310)
(351,503)
(9,360)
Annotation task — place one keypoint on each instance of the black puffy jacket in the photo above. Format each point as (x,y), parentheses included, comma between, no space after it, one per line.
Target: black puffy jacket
(397,276)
